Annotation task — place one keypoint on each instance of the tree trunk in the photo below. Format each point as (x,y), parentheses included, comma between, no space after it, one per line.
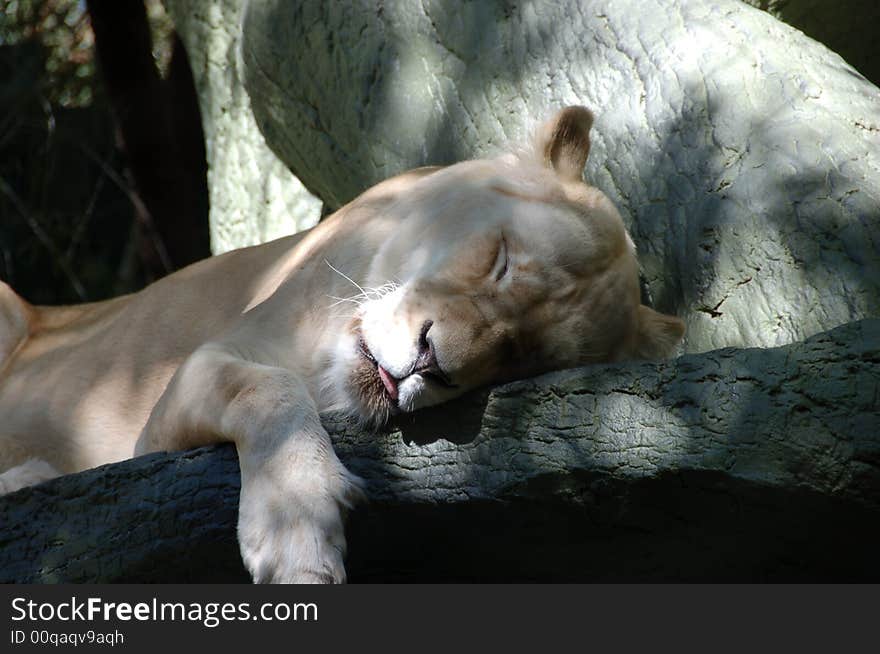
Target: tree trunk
(160,132)
(254,198)
(733,465)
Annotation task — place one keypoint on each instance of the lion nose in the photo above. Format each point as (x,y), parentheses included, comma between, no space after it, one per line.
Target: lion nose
(426,360)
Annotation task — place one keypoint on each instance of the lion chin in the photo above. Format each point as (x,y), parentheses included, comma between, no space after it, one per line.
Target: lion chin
(375,392)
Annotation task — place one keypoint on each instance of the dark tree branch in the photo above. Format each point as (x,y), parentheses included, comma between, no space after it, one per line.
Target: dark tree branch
(160,130)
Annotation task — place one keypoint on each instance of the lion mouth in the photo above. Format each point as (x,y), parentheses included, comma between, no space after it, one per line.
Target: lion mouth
(389,381)
(378,391)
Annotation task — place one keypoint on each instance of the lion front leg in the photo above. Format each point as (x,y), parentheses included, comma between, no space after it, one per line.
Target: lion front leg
(294,489)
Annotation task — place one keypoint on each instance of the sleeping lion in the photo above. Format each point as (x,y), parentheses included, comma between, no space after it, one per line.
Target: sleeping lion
(428,285)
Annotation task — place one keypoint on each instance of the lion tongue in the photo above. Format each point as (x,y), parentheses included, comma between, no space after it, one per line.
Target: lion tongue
(389,381)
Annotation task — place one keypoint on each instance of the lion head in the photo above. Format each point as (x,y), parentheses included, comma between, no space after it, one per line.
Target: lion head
(499,269)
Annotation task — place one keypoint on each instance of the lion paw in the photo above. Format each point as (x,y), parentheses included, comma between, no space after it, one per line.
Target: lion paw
(295,537)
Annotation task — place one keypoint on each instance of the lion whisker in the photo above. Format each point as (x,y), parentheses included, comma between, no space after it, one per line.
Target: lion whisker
(344,276)
(341,300)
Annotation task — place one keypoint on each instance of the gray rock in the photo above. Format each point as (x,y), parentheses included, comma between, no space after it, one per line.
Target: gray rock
(744,155)
(755,464)
(849,29)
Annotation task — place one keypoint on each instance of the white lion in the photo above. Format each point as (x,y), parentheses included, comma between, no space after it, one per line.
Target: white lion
(427,285)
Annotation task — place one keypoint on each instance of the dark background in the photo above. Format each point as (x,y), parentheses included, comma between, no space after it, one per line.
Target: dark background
(102,159)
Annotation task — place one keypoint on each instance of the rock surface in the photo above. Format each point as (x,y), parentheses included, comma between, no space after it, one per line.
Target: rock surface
(848,29)
(730,465)
(744,155)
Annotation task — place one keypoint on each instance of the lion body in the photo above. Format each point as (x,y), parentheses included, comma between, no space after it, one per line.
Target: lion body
(426,286)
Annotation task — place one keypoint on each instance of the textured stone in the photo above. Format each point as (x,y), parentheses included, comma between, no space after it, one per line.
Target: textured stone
(730,465)
(253,196)
(849,29)
(744,155)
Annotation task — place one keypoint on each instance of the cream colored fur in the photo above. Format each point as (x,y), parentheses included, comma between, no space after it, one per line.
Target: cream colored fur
(427,285)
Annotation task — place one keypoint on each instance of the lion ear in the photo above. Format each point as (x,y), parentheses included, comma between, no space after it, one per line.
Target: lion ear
(658,334)
(564,142)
